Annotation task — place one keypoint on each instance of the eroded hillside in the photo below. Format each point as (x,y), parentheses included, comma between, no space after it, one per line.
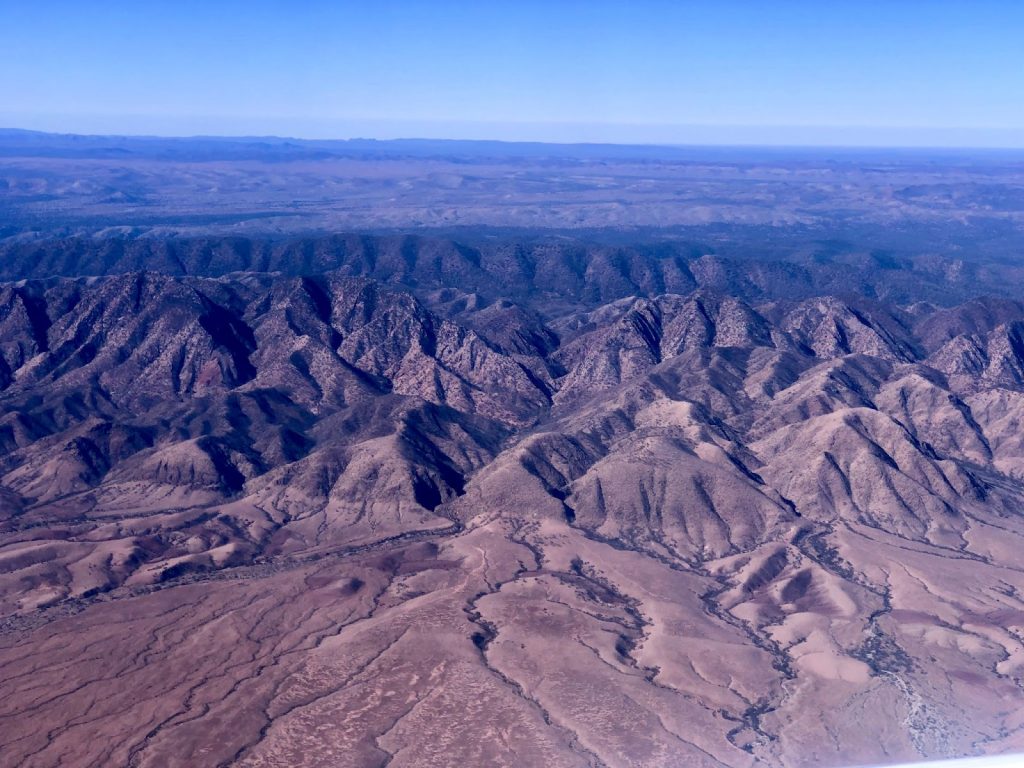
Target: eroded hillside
(309,520)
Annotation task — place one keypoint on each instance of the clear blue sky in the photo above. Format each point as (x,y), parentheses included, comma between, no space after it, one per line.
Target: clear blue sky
(755,71)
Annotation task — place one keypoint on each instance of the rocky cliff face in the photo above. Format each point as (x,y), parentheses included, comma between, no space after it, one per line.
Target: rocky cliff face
(315,519)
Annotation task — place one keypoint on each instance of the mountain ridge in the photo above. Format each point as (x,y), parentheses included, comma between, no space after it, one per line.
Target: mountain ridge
(708,513)
(538,274)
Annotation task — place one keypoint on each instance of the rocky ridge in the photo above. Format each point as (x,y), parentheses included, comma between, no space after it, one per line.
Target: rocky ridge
(684,527)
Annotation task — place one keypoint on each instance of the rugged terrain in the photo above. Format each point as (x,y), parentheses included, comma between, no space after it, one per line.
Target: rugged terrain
(467,453)
(370,501)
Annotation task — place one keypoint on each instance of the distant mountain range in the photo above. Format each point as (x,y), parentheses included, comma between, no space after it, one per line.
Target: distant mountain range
(549,274)
(18,142)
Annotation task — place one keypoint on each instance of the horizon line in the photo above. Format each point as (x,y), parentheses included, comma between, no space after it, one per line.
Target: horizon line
(252,137)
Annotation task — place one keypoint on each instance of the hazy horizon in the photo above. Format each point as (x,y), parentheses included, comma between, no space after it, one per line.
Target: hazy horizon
(712,136)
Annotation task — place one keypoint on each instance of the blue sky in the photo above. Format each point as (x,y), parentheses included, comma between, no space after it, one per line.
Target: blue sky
(931,72)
